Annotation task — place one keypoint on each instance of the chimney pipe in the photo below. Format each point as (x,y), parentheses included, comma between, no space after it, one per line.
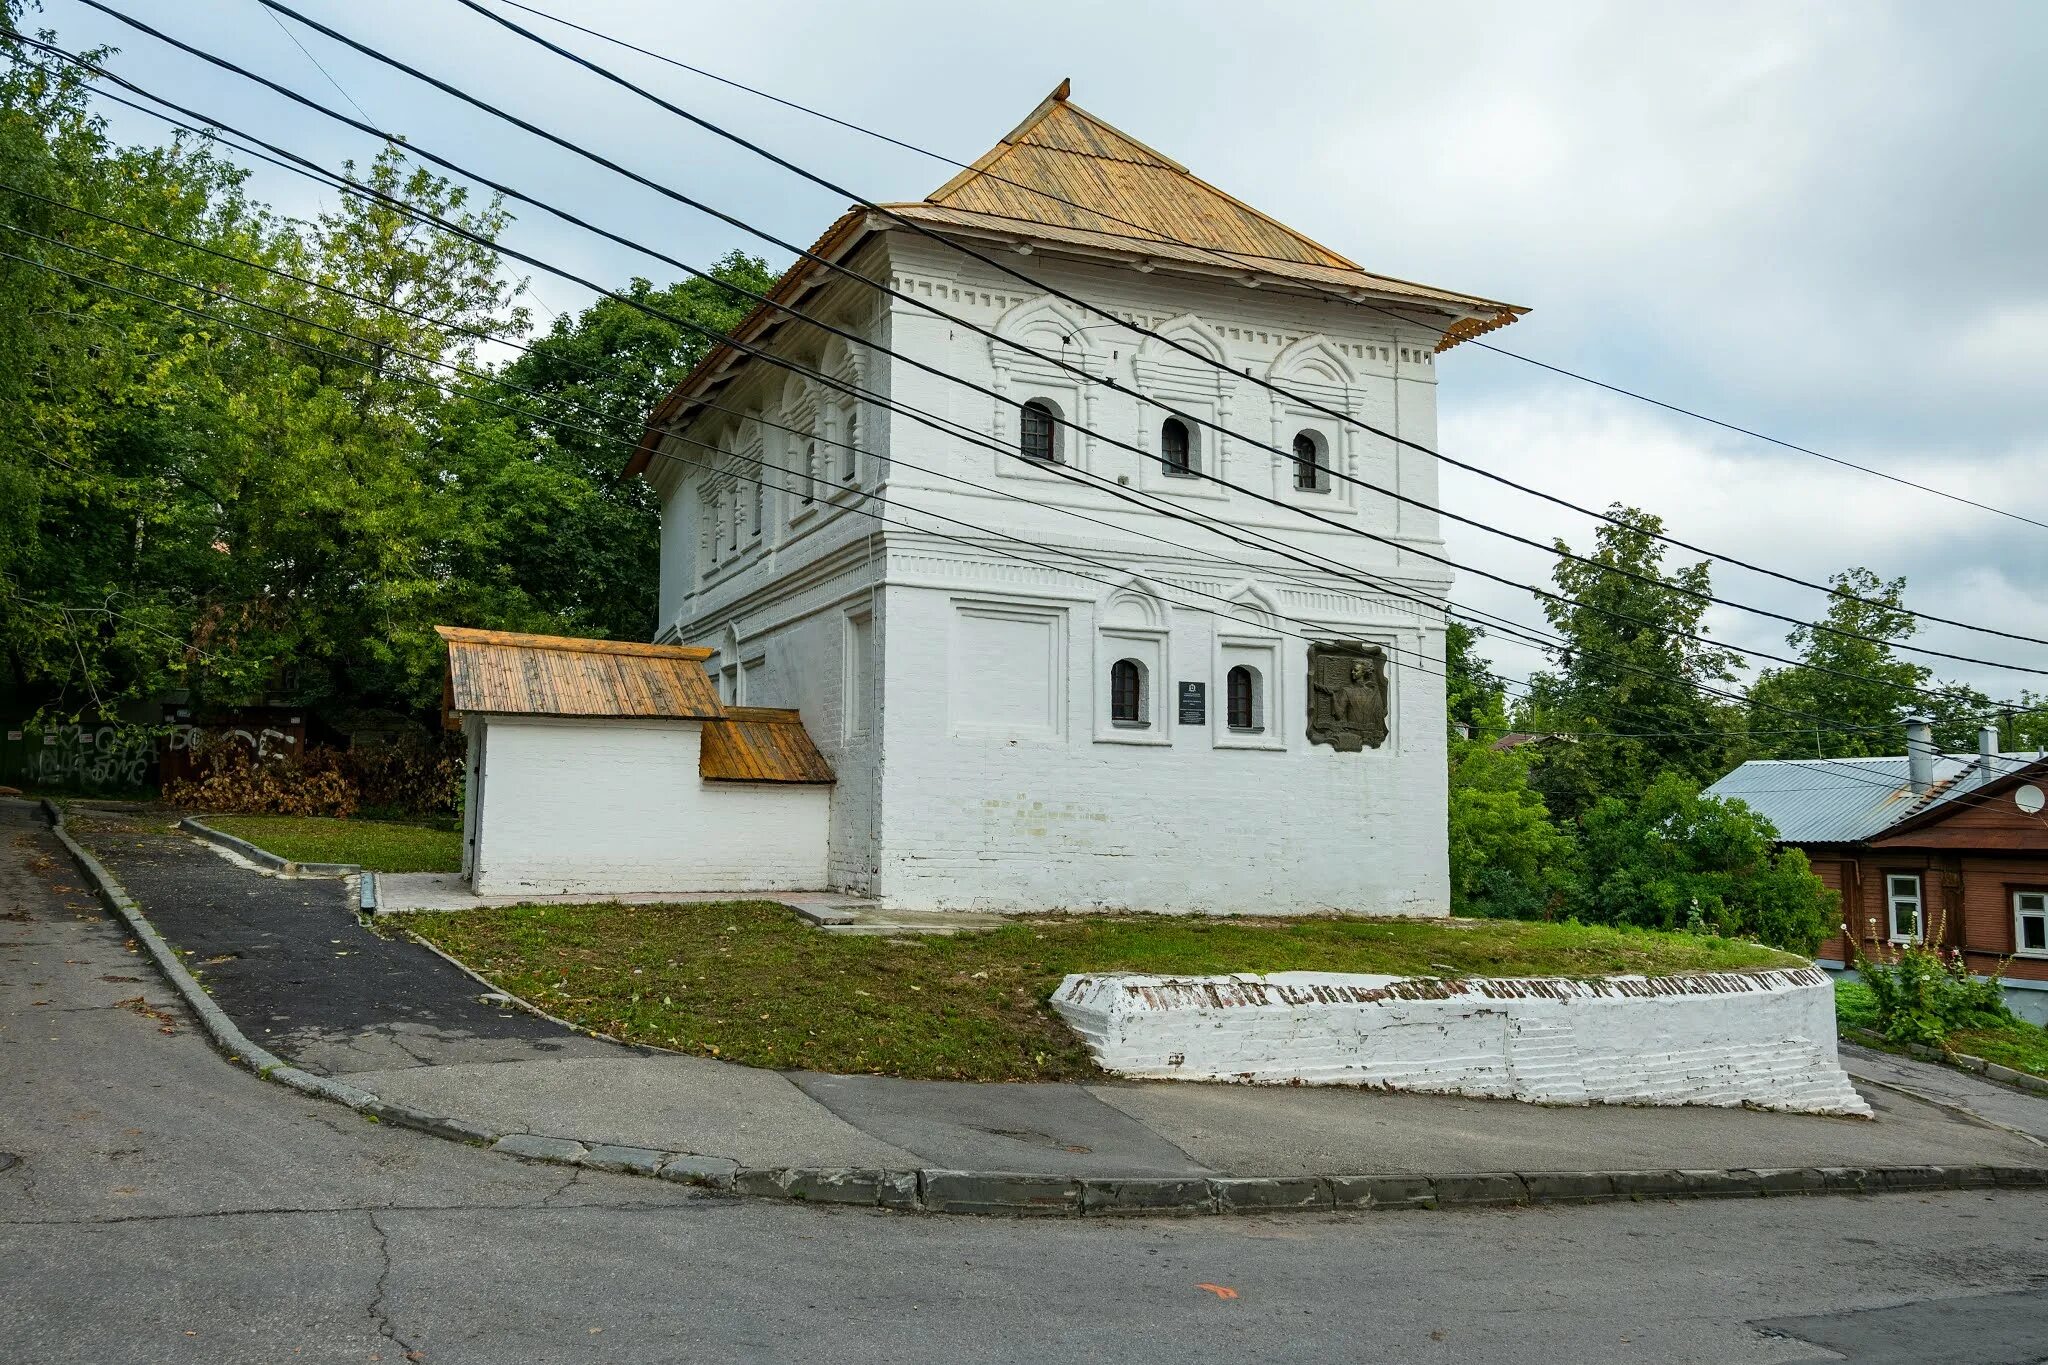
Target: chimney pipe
(1987,745)
(1919,754)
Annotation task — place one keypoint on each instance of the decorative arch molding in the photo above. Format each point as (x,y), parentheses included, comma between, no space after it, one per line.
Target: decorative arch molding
(1253,606)
(1204,391)
(1136,604)
(1313,360)
(1044,324)
(842,360)
(1049,327)
(1189,331)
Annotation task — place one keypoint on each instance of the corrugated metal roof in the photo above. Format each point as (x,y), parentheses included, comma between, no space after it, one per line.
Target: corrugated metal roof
(761,744)
(503,673)
(1848,800)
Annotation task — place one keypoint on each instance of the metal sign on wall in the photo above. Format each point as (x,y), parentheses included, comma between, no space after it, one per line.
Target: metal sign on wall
(1194,703)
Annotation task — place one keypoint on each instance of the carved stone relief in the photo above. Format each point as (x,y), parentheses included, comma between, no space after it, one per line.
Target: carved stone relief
(1347,695)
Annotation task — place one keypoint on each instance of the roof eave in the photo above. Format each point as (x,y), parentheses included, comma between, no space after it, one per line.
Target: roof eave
(718,366)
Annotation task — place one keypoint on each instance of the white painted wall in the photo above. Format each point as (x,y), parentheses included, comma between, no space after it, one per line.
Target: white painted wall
(1726,1039)
(985,772)
(613,805)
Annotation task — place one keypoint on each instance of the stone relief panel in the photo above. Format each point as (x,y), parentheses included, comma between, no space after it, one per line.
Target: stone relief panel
(1347,695)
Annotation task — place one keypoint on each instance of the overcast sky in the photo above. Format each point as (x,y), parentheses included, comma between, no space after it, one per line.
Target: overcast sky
(1822,222)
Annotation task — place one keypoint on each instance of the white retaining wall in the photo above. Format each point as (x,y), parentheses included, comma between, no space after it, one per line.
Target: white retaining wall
(1763,1038)
(615,806)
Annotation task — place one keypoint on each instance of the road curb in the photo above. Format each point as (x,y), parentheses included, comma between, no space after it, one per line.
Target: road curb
(1032,1194)
(1960,1061)
(263,857)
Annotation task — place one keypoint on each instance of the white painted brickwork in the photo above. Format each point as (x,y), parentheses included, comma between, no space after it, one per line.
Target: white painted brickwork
(985,771)
(614,806)
(1765,1039)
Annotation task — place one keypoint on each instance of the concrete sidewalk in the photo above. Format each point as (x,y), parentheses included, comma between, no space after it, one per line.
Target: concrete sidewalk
(293,966)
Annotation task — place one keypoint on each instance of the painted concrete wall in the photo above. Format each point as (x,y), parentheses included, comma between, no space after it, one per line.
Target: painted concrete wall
(618,806)
(961,689)
(1724,1039)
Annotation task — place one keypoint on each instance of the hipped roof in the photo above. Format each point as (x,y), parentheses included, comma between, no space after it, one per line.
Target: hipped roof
(493,672)
(1065,178)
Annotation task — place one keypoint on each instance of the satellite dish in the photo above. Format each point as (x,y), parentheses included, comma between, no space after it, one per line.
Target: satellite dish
(2029,799)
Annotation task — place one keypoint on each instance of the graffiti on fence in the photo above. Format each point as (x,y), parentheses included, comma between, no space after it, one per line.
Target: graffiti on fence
(114,757)
(92,757)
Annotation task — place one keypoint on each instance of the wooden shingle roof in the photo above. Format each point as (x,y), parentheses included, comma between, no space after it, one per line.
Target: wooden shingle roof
(761,744)
(503,673)
(1065,178)
(495,672)
(1063,167)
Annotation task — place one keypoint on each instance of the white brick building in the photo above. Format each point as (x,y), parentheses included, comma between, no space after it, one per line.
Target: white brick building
(1113,712)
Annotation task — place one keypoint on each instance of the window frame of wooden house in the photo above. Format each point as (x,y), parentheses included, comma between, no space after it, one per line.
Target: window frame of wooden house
(2021,913)
(1893,900)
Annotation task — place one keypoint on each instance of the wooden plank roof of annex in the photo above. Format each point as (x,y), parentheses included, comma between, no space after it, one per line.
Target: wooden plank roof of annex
(761,744)
(503,673)
(496,672)
(1065,177)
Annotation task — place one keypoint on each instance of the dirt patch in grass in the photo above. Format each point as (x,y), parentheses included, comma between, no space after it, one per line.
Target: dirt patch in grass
(379,845)
(749,982)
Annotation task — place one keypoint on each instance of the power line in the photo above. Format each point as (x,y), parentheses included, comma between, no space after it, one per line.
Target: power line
(996,264)
(912,412)
(1513,629)
(1081,371)
(307,53)
(809,475)
(855,339)
(1169,240)
(451,390)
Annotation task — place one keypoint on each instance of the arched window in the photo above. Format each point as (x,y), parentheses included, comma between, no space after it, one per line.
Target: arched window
(1241,698)
(849,460)
(810,471)
(1311,463)
(1175,451)
(1038,436)
(1127,692)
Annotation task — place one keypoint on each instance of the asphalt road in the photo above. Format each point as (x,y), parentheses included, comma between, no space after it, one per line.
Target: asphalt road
(168,1207)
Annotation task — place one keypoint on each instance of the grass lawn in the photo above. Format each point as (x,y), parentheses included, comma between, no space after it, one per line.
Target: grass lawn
(379,845)
(747,981)
(2019,1045)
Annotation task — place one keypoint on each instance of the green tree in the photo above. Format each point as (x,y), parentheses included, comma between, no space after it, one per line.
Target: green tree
(1475,697)
(1507,859)
(599,375)
(1673,858)
(1857,692)
(1630,673)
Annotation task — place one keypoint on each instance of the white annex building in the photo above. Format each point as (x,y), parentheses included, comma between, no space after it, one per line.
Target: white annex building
(1063,642)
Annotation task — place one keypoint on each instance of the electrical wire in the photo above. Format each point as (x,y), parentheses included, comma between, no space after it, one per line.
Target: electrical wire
(454,392)
(853,338)
(1201,356)
(1168,239)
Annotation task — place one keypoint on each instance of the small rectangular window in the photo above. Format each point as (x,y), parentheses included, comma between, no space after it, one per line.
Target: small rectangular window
(1902,892)
(2030,921)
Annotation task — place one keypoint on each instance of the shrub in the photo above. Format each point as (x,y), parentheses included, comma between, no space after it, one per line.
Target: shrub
(1674,858)
(1924,994)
